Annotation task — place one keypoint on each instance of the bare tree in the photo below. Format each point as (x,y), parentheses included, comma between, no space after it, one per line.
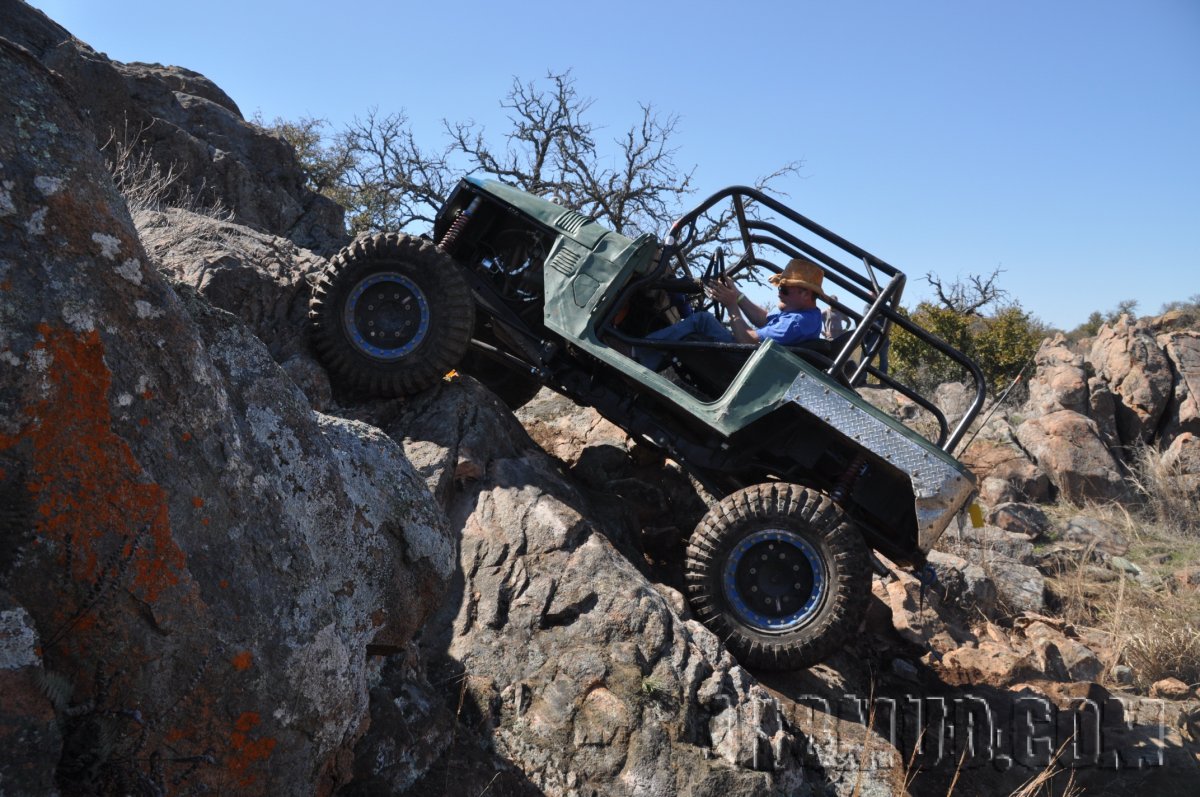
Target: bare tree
(1124,307)
(632,183)
(971,296)
(392,181)
(553,149)
(546,124)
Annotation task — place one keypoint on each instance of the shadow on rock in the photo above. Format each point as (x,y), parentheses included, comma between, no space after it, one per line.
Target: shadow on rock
(562,667)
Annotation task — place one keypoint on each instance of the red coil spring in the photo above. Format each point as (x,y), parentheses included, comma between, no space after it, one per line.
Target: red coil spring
(457,226)
(846,481)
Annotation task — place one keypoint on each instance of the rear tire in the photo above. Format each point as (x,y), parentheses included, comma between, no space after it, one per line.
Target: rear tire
(780,574)
(391,315)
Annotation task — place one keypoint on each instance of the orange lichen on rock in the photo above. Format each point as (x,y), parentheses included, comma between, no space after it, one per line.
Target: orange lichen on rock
(247,751)
(242,661)
(85,480)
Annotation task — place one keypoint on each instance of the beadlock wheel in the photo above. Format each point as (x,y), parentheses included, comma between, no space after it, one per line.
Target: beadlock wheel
(390,315)
(774,580)
(386,316)
(780,574)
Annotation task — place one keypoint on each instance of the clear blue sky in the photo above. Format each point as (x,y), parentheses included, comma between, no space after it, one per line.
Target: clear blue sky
(1058,140)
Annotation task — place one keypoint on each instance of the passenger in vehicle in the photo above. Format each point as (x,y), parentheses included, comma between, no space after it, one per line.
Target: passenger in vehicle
(797,319)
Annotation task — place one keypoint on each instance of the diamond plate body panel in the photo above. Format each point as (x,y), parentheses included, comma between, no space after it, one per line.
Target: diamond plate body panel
(939,489)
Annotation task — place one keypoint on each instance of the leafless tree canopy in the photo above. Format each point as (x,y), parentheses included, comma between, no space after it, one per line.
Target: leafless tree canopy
(971,296)
(630,182)
(391,181)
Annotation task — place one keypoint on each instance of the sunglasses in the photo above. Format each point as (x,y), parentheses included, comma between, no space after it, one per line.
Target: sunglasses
(784,290)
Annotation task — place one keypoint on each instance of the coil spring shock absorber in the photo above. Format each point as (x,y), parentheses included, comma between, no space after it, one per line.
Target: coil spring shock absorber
(458,225)
(846,481)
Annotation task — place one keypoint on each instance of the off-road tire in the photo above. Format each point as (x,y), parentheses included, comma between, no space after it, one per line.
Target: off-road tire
(431,316)
(802,534)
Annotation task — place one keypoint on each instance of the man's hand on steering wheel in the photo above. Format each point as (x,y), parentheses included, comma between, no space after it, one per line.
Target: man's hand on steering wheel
(724,293)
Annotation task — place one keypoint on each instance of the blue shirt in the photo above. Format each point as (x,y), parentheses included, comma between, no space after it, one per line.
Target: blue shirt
(792,327)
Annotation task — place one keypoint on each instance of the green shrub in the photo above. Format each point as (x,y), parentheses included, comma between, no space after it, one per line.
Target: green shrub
(1001,343)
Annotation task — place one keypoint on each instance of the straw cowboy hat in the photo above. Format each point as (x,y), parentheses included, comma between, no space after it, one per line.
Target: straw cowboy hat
(801,273)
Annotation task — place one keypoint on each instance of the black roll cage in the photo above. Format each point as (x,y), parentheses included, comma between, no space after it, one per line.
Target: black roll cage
(881,314)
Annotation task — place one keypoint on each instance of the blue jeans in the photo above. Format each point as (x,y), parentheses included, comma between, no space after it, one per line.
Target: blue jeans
(701,324)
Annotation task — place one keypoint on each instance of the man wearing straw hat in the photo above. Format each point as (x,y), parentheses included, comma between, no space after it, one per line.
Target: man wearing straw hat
(798,318)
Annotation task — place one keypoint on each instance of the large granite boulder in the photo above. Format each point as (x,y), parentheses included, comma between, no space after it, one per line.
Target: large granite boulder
(1067,446)
(578,670)
(1125,355)
(262,279)
(208,560)
(183,123)
(1183,412)
(1005,473)
(1059,380)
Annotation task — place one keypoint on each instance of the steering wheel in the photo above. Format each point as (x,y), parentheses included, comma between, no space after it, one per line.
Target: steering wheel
(714,271)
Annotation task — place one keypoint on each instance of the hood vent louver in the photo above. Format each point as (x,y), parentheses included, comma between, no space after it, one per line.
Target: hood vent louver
(571,221)
(565,262)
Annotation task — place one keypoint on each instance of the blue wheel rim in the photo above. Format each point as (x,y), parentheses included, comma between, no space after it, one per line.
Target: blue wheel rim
(386,316)
(774,580)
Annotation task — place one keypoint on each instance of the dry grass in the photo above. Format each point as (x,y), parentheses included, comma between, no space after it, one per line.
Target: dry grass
(1153,622)
(145,183)
(1158,643)
(1164,492)
(1043,782)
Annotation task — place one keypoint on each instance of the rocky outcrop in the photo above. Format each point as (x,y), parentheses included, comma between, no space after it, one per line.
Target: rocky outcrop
(209,560)
(262,279)
(1183,411)
(1131,393)
(1067,446)
(1126,356)
(185,124)
(1059,381)
(581,672)
(1005,473)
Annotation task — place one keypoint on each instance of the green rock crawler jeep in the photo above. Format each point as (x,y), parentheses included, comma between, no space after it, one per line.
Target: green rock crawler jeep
(809,478)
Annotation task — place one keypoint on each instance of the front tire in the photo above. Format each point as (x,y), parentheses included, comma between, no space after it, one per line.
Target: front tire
(780,574)
(391,315)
